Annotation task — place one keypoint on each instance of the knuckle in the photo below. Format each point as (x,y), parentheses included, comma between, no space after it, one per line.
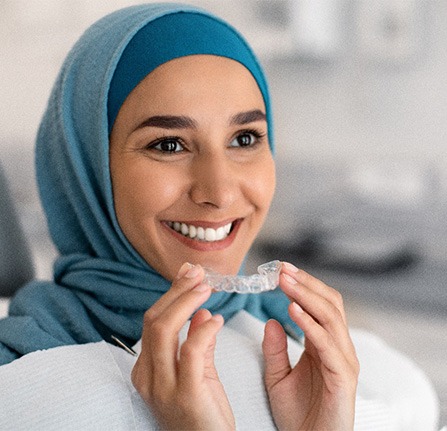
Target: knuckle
(188,351)
(159,329)
(326,343)
(178,284)
(331,316)
(149,316)
(140,383)
(356,366)
(305,277)
(338,299)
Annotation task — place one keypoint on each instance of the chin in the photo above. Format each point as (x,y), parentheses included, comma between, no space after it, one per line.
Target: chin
(221,264)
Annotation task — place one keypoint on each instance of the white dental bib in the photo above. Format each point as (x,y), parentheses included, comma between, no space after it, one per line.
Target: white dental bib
(88,386)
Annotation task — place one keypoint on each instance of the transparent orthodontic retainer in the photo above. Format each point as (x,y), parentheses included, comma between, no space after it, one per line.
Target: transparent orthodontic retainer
(266,279)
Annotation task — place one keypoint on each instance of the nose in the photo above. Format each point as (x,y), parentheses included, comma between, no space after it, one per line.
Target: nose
(214,181)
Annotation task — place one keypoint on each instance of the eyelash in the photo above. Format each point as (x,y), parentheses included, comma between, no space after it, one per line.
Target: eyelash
(165,139)
(257,135)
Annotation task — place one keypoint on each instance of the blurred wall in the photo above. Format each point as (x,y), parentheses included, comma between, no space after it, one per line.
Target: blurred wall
(340,99)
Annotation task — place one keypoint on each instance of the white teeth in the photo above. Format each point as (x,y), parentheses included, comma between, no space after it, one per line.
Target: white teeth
(192,231)
(203,234)
(210,234)
(220,234)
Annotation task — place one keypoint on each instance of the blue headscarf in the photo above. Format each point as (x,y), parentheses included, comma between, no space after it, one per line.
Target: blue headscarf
(102,286)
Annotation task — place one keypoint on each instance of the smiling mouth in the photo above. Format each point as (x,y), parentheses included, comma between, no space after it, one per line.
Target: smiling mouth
(200,233)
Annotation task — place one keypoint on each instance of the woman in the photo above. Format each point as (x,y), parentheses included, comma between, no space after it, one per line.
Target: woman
(154,160)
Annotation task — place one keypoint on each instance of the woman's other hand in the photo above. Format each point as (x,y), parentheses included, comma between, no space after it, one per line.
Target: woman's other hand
(319,392)
(181,386)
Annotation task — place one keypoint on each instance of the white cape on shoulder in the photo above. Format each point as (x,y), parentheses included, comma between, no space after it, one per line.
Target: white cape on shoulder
(88,386)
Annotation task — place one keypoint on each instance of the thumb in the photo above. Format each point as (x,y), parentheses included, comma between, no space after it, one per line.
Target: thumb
(201,316)
(274,347)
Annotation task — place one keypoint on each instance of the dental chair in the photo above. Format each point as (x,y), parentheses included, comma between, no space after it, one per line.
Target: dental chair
(16,265)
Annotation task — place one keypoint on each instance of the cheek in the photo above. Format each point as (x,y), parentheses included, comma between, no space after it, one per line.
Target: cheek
(261,184)
(142,192)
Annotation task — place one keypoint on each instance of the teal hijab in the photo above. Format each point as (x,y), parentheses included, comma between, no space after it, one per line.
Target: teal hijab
(101,286)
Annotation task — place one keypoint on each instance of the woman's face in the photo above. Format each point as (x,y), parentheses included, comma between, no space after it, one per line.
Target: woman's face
(192,172)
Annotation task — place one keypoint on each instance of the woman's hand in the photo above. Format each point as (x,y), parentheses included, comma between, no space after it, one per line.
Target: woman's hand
(319,392)
(181,386)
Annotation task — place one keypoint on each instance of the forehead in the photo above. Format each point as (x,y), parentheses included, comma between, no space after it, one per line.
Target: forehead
(195,82)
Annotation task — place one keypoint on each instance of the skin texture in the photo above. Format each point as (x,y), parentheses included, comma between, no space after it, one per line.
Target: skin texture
(218,169)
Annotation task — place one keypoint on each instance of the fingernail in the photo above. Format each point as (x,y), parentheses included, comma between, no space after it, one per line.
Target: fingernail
(290,267)
(297,308)
(193,271)
(183,270)
(289,279)
(218,318)
(202,287)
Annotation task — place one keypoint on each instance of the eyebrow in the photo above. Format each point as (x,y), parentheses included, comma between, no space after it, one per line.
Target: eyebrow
(183,122)
(248,117)
(169,122)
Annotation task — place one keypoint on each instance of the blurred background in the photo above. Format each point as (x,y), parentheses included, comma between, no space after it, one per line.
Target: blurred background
(359,93)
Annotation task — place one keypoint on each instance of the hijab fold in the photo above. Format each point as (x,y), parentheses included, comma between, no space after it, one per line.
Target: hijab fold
(101,285)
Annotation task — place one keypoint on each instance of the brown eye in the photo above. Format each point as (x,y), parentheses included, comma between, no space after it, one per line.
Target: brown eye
(243,140)
(168,146)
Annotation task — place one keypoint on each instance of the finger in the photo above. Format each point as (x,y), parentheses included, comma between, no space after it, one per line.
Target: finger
(201,316)
(162,329)
(197,353)
(340,367)
(157,361)
(160,334)
(177,313)
(198,319)
(321,309)
(315,304)
(318,286)
(187,278)
(274,347)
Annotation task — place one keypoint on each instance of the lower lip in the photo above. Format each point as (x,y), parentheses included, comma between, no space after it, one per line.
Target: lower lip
(205,245)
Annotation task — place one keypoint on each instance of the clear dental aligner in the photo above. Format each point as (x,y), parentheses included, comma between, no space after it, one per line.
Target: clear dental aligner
(266,279)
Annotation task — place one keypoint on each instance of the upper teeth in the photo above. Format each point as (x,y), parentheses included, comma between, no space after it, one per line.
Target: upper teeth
(201,233)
